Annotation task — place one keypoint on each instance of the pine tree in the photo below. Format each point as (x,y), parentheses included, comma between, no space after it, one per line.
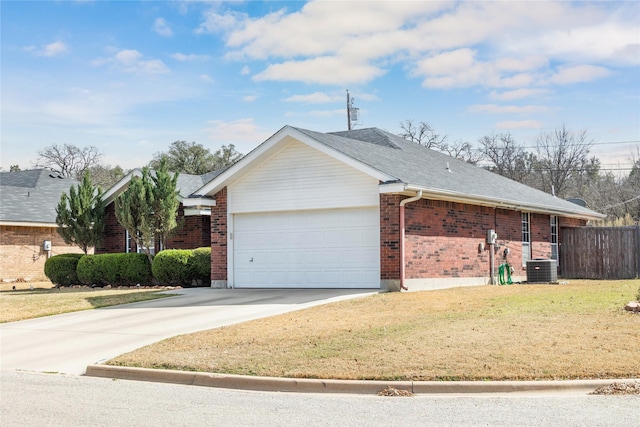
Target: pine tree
(166,203)
(148,208)
(134,211)
(80,215)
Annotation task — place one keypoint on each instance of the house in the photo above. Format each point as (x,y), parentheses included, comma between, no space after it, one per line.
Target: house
(28,229)
(194,217)
(368,209)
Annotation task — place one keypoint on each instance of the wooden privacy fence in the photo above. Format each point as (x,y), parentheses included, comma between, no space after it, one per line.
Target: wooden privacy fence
(600,252)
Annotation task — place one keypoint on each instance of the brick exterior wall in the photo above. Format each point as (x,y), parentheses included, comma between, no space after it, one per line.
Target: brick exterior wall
(389,237)
(442,239)
(193,232)
(21,252)
(219,237)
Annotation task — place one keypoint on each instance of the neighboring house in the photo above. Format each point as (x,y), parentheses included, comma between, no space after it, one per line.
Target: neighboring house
(28,230)
(368,209)
(194,217)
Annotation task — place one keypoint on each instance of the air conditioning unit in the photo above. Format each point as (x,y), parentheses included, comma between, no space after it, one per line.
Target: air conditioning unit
(542,271)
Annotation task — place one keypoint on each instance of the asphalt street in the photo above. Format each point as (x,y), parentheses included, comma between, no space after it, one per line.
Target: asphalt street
(68,343)
(29,399)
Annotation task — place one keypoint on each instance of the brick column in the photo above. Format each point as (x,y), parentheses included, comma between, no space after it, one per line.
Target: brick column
(390,242)
(219,240)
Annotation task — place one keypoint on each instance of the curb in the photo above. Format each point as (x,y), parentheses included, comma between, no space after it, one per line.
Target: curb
(304,385)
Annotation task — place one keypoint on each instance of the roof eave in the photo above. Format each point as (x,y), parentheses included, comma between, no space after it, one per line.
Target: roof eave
(29,224)
(451,196)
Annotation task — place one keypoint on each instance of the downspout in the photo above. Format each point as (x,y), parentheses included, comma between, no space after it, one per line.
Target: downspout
(403,202)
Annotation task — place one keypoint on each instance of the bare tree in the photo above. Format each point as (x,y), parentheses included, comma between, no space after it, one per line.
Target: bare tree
(422,134)
(68,160)
(561,156)
(507,157)
(463,151)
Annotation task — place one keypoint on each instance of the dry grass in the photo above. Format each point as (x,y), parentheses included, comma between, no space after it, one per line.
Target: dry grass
(579,330)
(44,300)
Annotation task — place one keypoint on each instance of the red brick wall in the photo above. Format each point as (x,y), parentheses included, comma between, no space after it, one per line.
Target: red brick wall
(114,235)
(442,239)
(389,237)
(193,232)
(22,256)
(219,236)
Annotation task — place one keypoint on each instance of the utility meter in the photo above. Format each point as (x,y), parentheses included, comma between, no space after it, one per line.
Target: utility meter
(46,245)
(491,237)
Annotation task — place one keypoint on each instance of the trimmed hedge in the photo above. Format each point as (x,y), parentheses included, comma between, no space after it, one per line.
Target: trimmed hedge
(122,269)
(182,267)
(61,269)
(201,266)
(172,267)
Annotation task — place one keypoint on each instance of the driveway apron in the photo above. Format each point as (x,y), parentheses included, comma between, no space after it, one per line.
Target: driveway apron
(67,343)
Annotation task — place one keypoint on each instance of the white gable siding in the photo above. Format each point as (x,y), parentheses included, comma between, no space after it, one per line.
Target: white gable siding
(300,177)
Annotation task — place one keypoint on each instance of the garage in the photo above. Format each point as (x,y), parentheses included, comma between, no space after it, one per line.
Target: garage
(323,248)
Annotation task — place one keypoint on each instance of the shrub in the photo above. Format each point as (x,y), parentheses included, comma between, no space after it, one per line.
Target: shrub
(201,266)
(173,267)
(61,269)
(638,296)
(123,269)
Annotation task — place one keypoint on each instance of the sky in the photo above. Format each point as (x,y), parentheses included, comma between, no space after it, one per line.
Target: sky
(131,77)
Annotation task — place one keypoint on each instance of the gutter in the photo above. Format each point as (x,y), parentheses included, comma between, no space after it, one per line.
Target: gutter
(403,202)
(451,196)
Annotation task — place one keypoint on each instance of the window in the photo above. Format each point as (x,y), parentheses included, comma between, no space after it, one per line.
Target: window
(130,243)
(526,238)
(554,239)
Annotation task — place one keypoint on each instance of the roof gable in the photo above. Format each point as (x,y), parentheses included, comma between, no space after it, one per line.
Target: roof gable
(187,184)
(271,147)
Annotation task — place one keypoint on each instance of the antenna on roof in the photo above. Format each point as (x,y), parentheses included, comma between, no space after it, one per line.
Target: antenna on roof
(352,112)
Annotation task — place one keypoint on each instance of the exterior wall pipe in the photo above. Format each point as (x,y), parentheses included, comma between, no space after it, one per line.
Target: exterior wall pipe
(403,202)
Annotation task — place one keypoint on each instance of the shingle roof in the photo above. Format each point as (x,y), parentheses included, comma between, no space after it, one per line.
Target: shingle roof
(418,166)
(31,196)
(187,184)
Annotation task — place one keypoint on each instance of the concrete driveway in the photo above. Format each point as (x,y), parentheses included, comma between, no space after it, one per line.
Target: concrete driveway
(67,343)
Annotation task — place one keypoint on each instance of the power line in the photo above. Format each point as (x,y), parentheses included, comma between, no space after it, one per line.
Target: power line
(590,144)
(622,203)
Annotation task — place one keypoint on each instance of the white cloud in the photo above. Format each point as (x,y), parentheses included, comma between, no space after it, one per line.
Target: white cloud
(50,50)
(245,70)
(241,131)
(132,61)
(323,70)
(249,98)
(447,44)
(216,23)
(511,95)
(162,28)
(500,109)
(579,73)
(190,57)
(205,78)
(522,124)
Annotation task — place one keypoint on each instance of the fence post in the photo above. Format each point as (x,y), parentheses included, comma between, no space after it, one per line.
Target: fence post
(637,251)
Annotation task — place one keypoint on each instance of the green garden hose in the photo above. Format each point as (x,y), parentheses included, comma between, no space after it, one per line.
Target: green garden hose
(501,273)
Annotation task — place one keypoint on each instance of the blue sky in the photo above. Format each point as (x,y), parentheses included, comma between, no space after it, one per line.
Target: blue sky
(132,77)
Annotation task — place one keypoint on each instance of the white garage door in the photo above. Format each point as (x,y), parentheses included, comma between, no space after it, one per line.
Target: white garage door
(337,248)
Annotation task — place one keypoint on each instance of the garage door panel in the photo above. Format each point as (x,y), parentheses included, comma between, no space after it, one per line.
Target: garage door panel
(326,248)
